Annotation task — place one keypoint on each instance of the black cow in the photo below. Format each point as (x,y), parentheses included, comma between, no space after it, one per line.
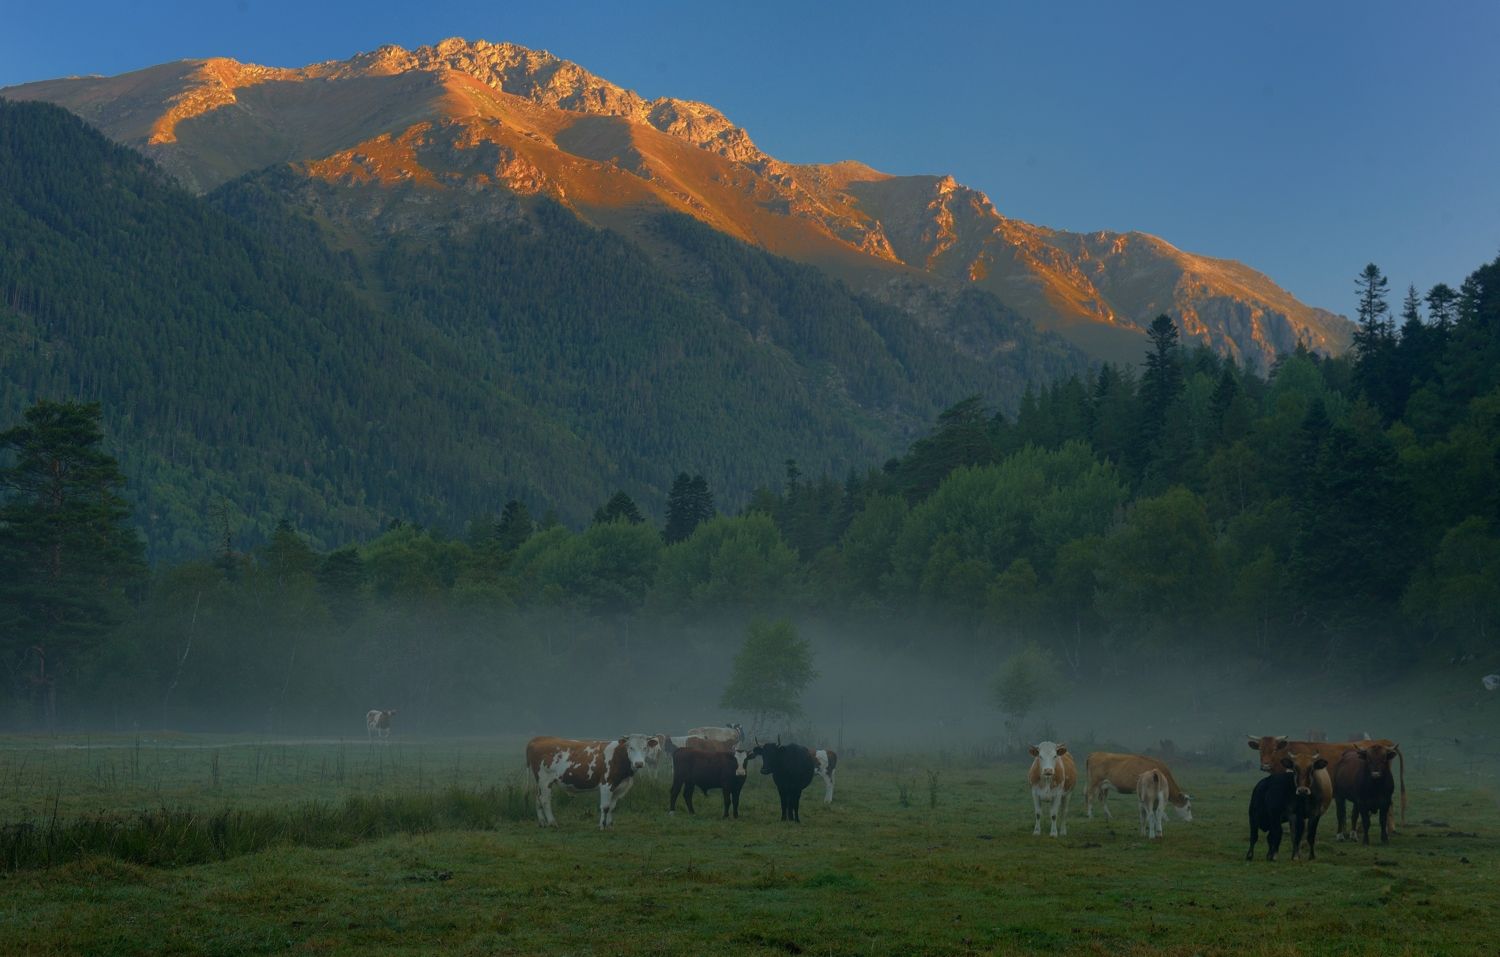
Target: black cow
(1270,806)
(706,770)
(792,767)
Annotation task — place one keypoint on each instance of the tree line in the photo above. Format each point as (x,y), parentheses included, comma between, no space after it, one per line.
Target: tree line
(1333,512)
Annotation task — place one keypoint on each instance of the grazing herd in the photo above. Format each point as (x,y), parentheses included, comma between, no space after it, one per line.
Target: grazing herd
(1303,779)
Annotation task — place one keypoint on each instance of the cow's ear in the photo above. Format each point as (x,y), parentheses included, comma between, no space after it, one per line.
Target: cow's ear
(1363,754)
(1062,749)
(1254,744)
(1034,752)
(1320,764)
(1287,763)
(1280,743)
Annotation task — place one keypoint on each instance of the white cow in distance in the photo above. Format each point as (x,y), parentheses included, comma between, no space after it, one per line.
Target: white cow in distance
(378,724)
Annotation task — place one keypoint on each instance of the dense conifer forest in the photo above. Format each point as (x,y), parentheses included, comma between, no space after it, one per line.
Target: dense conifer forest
(1332,514)
(239,355)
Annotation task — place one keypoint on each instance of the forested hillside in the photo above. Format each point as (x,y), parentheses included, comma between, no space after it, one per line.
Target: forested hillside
(1198,523)
(239,357)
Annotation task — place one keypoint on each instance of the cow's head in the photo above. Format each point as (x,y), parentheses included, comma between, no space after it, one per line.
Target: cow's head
(1049,756)
(1378,757)
(639,748)
(741,762)
(1304,768)
(1269,748)
(1183,805)
(766,751)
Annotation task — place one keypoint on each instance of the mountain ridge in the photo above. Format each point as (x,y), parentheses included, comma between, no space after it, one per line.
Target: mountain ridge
(381,119)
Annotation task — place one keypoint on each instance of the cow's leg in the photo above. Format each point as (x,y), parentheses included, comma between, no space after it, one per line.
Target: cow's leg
(544,816)
(688,797)
(1036,805)
(1312,838)
(1145,819)
(1056,803)
(1297,825)
(828,790)
(1364,824)
(1338,834)
(1104,801)
(1385,835)
(1273,840)
(728,797)
(797,807)
(1254,835)
(1062,820)
(672,804)
(604,806)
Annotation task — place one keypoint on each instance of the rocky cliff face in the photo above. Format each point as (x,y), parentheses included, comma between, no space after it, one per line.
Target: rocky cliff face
(438,138)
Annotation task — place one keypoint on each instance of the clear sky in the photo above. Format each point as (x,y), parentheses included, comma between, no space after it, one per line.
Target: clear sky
(1305,139)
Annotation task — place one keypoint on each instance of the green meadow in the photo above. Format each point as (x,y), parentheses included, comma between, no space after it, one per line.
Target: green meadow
(189,845)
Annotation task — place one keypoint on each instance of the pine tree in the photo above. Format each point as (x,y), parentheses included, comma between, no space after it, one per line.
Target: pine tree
(1160,387)
(619,506)
(1442,306)
(67,548)
(688,504)
(1375,343)
(515,526)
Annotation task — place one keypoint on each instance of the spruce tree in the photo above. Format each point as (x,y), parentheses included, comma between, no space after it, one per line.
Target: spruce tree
(1160,387)
(682,511)
(1375,343)
(619,506)
(67,548)
(515,526)
(1442,306)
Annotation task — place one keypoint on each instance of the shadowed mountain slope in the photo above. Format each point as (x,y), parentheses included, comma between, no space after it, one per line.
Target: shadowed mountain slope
(530,355)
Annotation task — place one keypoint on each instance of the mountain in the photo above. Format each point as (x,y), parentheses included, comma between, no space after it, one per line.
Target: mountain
(239,353)
(439,139)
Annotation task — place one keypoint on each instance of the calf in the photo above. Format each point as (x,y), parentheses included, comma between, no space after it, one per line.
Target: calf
(1311,795)
(1052,779)
(1152,789)
(1364,778)
(378,724)
(791,766)
(706,770)
(824,764)
(1270,806)
(1120,772)
(606,766)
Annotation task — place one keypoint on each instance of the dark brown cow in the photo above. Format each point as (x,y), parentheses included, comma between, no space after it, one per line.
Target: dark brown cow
(1272,748)
(706,770)
(1364,778)
(608,766)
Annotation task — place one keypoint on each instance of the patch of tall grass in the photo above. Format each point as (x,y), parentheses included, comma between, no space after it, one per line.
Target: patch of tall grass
(178,836)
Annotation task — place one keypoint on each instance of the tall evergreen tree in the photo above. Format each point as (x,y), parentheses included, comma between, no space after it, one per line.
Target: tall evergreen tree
(67,547)
(1375,343)
(515,526)
(689,504)
(1442,306)
(1160,387)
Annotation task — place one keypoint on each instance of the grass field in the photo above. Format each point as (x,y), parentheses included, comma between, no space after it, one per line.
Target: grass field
(953,869)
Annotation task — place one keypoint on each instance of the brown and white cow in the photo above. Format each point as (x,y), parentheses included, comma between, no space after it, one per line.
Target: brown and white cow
(606,766)
(726,739)
(1273,748)
(1121,772)
(1152,789)
(378,723)
(825,762)
(1052,778)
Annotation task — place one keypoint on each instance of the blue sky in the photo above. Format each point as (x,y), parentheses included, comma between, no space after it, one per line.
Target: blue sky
(1303,139)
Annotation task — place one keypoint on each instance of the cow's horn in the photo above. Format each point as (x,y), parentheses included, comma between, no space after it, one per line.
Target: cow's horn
(1253,738)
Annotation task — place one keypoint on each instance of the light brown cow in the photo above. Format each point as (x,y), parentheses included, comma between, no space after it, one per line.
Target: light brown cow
(1151,788)
(1273,748)
(606,766)
(1052,778)
(378,723)
(1120,772)
(1313,795)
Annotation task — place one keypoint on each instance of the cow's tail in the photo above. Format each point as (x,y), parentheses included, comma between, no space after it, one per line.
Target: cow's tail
(1403,785)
